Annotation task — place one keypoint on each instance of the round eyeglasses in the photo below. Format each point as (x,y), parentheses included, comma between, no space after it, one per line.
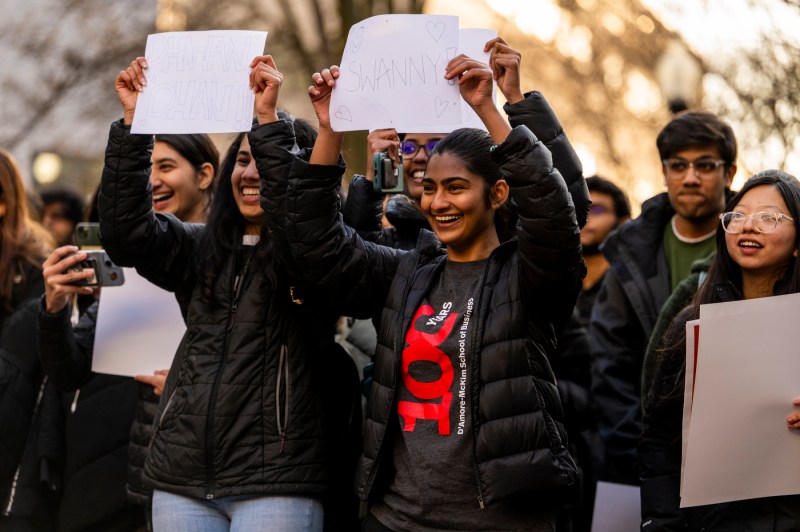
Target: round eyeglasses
(409,148)
(763,222)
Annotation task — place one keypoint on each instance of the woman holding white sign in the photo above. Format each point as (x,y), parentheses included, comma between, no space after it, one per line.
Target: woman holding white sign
(758,243)
(241,439)
(464,425)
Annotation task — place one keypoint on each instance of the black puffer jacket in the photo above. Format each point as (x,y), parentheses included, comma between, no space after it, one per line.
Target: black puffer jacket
(31,448)
(529,288)
(660,452)
(99,412)
(243,415)
(634,288)
(362,209)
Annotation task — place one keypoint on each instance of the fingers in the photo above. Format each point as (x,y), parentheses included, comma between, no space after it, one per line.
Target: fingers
(58,254)
(491,43)
(134,74)
(793,421)
(324,82)
(328,76)
(266,59)
(462,64)
(156,380)
(474,74)
(265,74)
(385,134)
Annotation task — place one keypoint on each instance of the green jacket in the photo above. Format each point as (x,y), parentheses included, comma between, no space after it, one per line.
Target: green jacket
(680,298)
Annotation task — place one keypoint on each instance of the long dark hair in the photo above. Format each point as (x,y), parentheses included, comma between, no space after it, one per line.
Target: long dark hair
(198,149)
(473,148)
(724,271)
(225,226)
(21,238)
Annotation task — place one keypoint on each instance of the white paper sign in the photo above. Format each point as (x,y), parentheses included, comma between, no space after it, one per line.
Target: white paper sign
(198,82)
(139,327)
(617,508)
(471,43)
(392,75)
(746,378)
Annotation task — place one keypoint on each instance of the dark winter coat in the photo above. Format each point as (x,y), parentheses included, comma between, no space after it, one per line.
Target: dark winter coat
(529,289)
(99,411)
(31,449)
(363,206)
(243,415)
(635,286)
(660,452)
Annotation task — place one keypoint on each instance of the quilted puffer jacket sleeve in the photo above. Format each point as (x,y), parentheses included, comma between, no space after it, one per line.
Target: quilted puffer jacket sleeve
(535,113)
(549,248)
(66,354)
(159,246)
(363,208)
(355,274)
(273,147)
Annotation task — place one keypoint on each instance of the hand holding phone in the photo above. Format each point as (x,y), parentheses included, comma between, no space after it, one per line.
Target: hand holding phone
(106,273)
(388,178)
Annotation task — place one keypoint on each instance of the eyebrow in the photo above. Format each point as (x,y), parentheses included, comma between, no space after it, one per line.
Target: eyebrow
(165,160)
(446,180)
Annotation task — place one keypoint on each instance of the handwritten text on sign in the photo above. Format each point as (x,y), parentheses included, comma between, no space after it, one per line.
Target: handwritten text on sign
(392,74)
(198,82)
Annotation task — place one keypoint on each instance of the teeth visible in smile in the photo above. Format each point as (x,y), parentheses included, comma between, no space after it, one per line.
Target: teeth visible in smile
(161,197)
(444,219)
(749,244)
(419,174)
(250,191)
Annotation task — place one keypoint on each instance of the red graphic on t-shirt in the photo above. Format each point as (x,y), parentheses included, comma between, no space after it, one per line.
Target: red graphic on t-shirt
(423,346)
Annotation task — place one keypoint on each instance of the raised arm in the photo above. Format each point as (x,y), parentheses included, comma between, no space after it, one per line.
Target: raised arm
(532,110)
(159,246)
(356,274)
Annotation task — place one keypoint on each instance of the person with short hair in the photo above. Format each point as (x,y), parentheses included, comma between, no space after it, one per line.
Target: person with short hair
(648,257)
(62,210)
(610,208)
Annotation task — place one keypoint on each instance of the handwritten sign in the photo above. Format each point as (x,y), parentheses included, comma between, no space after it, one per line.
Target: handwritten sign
(139,327)
(198,82)
(392,74)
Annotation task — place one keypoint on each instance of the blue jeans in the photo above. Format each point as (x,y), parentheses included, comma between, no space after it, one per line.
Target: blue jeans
(265,513)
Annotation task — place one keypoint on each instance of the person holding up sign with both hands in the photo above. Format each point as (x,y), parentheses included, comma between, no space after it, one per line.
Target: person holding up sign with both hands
(240,440)
(464,425)
(758,243)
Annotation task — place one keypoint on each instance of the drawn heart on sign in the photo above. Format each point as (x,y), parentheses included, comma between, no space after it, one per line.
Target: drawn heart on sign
(343,113)
(441,106)
(357,40)
(435,30)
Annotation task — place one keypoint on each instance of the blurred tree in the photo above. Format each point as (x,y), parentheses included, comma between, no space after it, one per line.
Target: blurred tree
(305,36)
(59,62)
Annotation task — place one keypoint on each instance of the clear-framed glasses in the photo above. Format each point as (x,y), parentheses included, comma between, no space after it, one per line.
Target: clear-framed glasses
(763,222)
(677,167)
(409,148)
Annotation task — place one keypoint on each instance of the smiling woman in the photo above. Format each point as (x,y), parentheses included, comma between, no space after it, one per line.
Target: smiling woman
(184,167)
(758,243)
(463,401)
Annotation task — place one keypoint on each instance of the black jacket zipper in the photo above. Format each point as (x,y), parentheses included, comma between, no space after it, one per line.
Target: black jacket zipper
(237,294)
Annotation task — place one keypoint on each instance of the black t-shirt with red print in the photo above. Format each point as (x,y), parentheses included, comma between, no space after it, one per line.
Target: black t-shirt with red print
(435,486)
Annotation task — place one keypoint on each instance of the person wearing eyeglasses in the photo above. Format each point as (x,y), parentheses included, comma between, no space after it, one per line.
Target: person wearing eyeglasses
(610,209)
(402,222)
(758,242)
(648,257)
